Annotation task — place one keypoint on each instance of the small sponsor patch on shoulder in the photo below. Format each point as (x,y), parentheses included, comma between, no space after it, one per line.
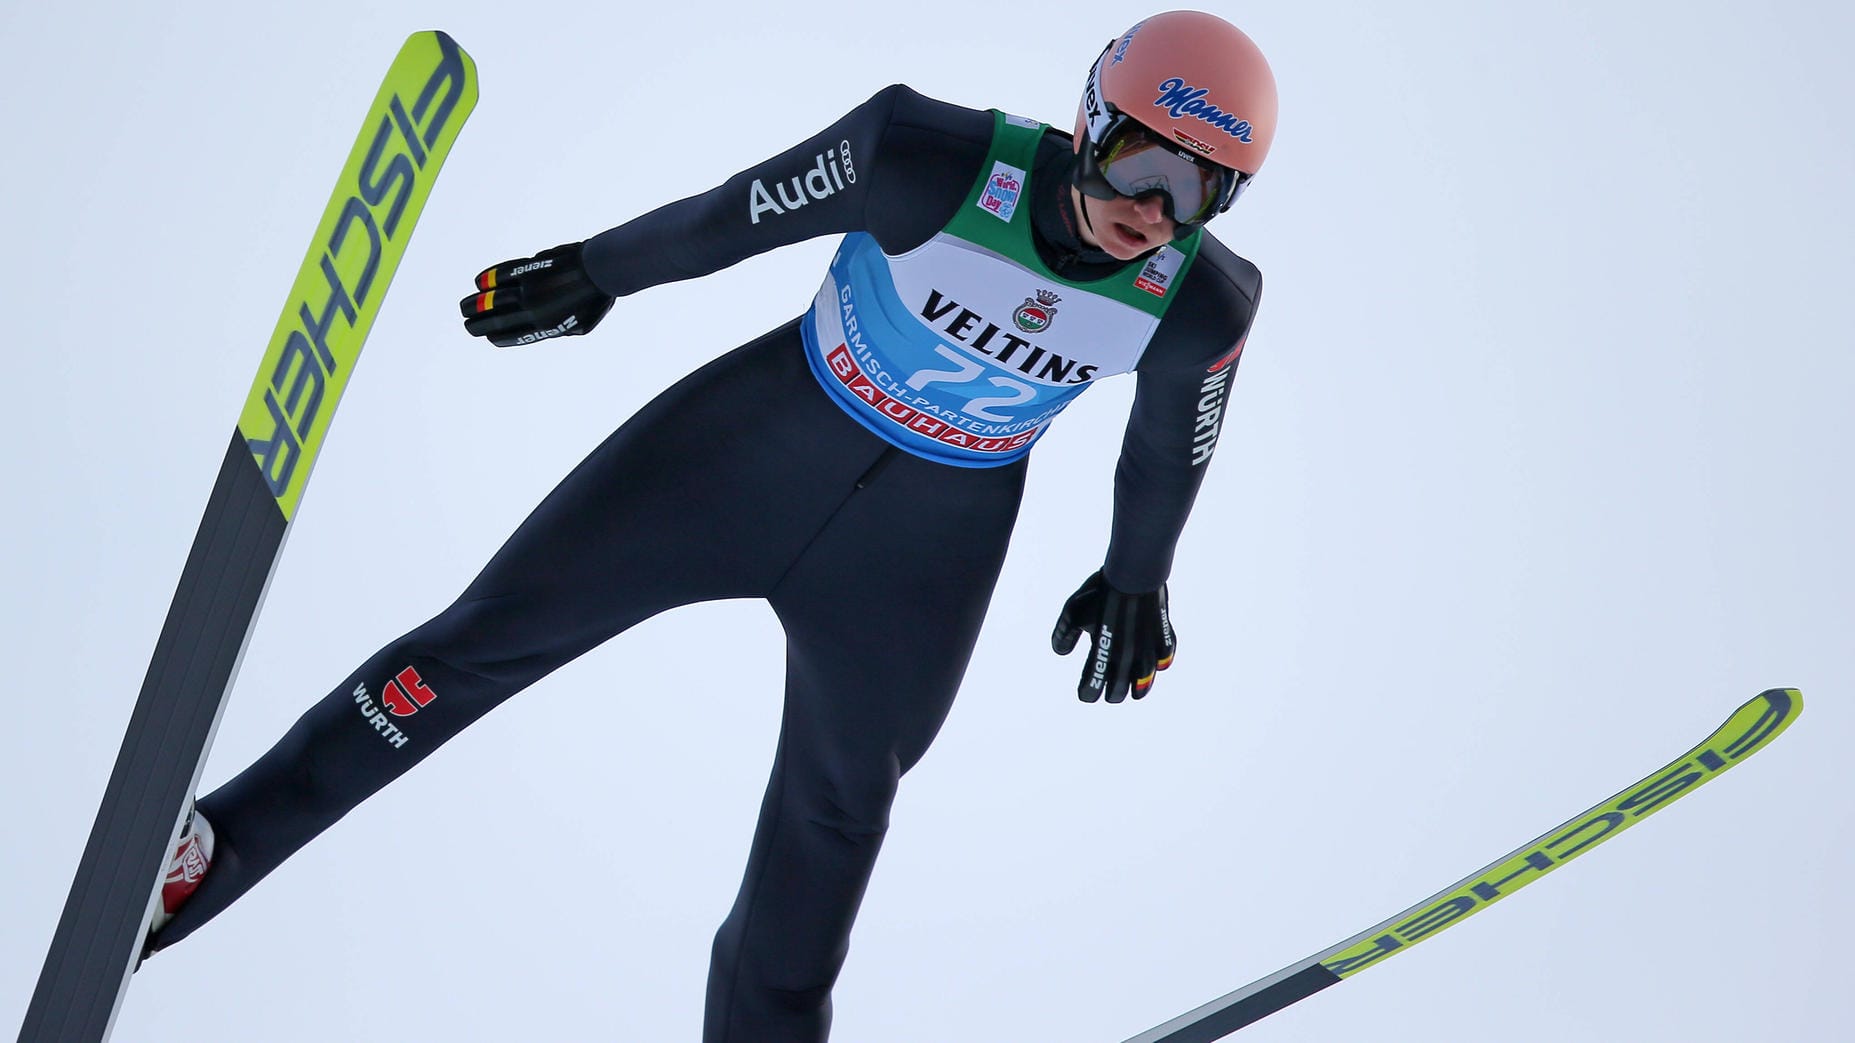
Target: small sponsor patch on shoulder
(1002,189)
(1023,121)
(1161,268)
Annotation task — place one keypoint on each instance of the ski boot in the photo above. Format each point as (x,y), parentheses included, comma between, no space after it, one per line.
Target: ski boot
(192,856)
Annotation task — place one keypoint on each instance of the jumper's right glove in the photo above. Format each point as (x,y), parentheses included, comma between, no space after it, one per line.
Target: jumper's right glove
(1133,638)
(534,298)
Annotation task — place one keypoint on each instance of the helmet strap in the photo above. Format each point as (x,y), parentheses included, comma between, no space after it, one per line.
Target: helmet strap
(1082,208)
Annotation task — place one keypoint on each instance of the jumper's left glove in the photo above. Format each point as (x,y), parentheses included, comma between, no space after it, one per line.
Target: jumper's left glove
(1133,638)
(535,298)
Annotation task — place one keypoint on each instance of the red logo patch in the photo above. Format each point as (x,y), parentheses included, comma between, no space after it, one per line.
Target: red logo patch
(1204,147)
(406,693)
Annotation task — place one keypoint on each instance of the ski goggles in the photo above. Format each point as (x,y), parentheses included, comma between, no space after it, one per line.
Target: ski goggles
(1136,161)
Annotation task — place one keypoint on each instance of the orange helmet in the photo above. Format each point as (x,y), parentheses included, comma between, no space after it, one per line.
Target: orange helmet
(1202,92)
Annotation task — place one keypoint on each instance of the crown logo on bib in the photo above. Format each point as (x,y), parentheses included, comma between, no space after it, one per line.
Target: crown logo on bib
(1036,314)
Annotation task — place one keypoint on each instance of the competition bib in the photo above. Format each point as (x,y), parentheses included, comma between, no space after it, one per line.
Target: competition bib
(963,349)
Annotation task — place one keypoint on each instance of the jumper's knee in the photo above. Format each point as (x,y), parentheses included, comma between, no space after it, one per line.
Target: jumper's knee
(853,795)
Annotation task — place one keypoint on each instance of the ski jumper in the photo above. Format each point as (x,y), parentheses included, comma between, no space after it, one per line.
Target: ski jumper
(960,314)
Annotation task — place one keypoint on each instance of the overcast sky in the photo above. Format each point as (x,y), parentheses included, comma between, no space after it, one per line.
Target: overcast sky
(1537,466)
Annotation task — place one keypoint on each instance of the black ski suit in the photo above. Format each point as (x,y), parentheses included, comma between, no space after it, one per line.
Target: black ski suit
(707,493)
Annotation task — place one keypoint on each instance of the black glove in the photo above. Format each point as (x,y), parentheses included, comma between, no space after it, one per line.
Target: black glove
(1133,638)
(535,298)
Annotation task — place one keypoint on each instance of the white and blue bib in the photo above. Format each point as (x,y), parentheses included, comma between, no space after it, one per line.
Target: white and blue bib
(963,349)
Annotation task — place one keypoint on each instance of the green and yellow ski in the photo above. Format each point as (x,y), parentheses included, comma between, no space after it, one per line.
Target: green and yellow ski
(1749,729)
(428,92)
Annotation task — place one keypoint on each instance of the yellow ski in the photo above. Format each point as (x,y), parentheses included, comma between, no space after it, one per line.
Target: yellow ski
(1746,732)
(429,91)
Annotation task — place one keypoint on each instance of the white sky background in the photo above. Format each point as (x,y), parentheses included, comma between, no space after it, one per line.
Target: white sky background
(1537,467)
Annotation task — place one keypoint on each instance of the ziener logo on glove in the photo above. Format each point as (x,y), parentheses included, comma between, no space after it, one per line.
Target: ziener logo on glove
(560,330)
(533,266)
(1103,642)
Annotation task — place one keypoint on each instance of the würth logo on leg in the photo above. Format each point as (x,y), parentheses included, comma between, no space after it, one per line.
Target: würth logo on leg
(406,693)
(402,696)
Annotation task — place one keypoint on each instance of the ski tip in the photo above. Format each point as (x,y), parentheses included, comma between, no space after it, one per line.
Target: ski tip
(1790,699)
(445,40)
(447,46)
(1762,719)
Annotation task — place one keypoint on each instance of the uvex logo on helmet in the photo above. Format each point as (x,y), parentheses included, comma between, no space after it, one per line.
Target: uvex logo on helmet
(1127,38)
